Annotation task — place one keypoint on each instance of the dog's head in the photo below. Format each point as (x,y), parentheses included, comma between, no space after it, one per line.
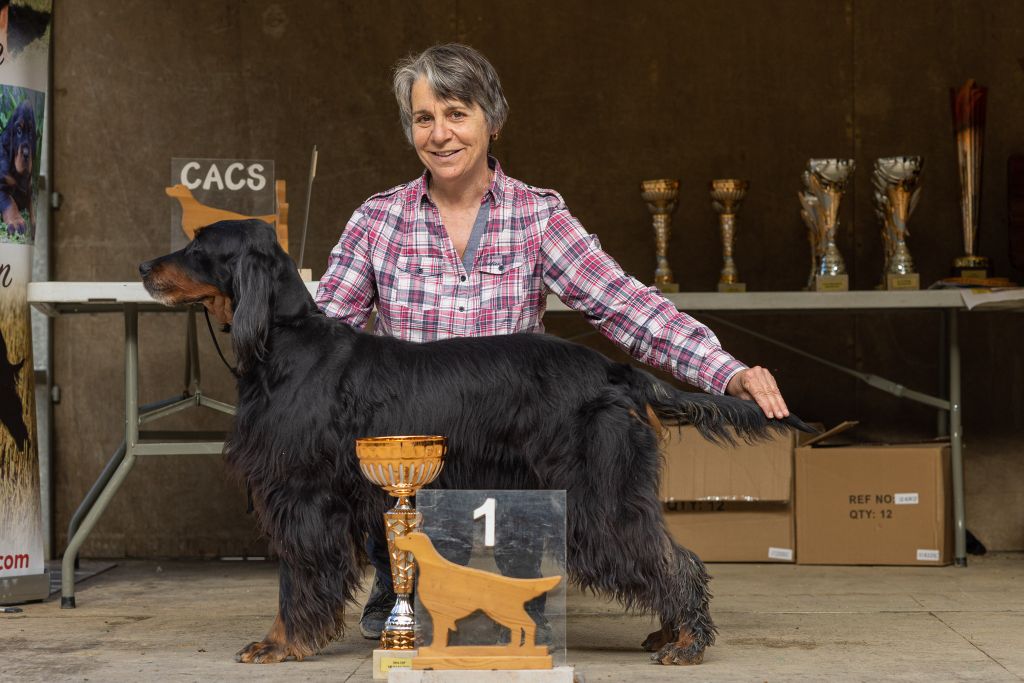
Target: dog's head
(240,260)
(21,139)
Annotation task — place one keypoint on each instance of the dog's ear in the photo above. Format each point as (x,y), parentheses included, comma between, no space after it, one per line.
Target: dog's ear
(250,324)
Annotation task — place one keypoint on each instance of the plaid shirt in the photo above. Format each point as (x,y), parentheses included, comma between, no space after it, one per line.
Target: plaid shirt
(395,254)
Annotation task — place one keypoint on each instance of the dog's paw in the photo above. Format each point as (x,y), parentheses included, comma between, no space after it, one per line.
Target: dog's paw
(679,653)
(657,640)
(265,652)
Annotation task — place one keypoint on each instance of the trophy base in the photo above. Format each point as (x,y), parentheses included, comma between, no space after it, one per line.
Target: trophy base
(897,281)
(732,287)
(972,267)
(667,287)
(483,657)
(388,660)
(832,283)
(559,674)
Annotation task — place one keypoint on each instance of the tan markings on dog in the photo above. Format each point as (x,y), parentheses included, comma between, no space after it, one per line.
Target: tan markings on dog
(658,639)
(652,419)
(175,286)
(685,642)
(273,648)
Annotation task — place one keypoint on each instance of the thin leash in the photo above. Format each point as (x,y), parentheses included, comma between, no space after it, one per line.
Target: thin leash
(209,326)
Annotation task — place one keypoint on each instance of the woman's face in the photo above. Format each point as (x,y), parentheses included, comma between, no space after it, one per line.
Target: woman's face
(450,137)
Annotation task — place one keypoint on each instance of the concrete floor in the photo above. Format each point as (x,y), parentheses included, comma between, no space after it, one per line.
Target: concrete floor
(147,621)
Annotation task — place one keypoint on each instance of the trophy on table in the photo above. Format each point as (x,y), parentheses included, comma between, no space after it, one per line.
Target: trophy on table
(661,197)
(896,193)
(825,182)
(968,104)
(401,465)
(726,196)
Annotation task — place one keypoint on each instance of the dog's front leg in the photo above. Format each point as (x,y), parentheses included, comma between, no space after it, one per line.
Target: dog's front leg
(276,646)
(319,569)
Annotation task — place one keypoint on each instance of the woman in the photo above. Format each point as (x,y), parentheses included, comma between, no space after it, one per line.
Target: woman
(465,250)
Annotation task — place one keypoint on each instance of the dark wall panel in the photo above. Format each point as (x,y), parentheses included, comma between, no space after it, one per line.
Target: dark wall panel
(602,96)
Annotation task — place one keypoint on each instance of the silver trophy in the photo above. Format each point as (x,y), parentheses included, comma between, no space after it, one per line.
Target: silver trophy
(896,194)
(825,182)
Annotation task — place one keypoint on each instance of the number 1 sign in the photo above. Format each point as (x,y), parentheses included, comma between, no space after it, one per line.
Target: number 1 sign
(518,534)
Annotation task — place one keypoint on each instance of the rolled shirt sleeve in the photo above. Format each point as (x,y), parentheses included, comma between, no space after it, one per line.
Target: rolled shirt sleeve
(635,317)
(347,290)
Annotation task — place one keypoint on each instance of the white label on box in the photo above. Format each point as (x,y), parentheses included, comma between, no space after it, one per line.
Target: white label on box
(927,555)
(780,554)
(905,498)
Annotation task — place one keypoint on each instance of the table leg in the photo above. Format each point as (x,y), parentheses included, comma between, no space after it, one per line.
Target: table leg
(131,439)
(956,439)
(943,415)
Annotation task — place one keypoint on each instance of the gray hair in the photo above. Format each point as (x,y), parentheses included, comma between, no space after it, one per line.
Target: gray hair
(454,72)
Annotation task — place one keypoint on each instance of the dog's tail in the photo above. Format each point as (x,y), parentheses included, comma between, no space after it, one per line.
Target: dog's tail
(713,415)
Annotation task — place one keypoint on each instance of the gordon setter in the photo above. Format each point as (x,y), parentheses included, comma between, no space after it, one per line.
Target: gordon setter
(523,411)
(17,151)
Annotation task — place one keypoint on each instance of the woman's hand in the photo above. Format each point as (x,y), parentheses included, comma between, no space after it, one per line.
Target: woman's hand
(220,308)
(757,384)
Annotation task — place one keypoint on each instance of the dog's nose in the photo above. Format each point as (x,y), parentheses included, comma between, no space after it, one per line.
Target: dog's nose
(145,268)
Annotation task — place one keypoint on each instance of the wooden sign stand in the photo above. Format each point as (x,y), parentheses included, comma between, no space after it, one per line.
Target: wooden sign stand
(451,592)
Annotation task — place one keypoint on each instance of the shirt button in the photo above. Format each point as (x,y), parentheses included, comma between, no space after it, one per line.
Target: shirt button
(462,278)
(462,308)
(419,271)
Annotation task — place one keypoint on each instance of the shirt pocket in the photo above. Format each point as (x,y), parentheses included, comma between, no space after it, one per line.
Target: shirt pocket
(503,283)
(419,282)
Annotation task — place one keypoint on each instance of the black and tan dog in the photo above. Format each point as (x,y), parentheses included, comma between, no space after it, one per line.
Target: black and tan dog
(522,411)
(17,157)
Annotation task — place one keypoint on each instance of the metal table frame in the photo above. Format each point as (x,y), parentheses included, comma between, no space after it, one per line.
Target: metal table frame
(947,302)
(130,298)
(55,298)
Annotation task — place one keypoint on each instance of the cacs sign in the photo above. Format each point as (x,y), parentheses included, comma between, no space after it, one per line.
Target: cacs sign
(233,176)
(207,190)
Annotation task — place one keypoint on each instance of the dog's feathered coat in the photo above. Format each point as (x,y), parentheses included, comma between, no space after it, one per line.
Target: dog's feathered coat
(522,411)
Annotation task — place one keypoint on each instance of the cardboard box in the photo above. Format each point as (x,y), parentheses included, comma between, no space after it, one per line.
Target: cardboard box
(722,531)
(874,504)
(695,469)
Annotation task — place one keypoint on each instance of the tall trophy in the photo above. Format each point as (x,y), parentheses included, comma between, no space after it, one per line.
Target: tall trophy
(726,196)
(809,213)
(896,192)
(824,184)
(401,465)
(661,197)
(968,103)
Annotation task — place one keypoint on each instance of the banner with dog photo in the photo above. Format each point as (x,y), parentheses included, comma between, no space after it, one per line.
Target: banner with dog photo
(24,73)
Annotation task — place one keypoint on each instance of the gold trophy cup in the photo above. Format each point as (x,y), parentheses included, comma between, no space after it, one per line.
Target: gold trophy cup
(968,104)
(661,197)
(401,465)
(726,196)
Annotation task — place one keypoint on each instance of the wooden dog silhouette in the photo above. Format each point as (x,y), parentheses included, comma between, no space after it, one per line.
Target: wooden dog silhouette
(451,592)
(195,215)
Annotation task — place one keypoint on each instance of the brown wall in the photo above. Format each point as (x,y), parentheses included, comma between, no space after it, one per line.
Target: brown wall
(603,95)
